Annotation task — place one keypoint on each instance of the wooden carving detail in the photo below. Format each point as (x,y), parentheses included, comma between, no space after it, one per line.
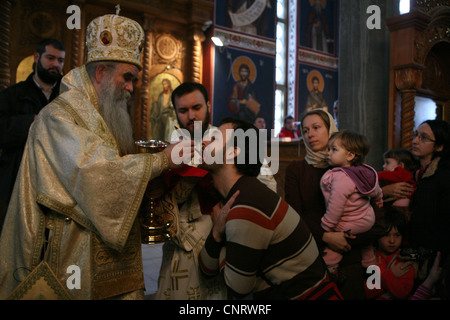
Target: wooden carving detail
(197,38)
(167,50)
(162,54)
(407,122)
(143,111)
(426,73)
(166,47)
(408,78)
(78,47)
(427,39)
(407,81)
(5,13)
(427,5)
(78,40)
(435,76)
(419,45)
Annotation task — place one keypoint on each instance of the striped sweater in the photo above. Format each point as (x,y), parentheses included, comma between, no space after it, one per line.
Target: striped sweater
(269,251)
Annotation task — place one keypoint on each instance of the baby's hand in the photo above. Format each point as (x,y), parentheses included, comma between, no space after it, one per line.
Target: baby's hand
(379,203)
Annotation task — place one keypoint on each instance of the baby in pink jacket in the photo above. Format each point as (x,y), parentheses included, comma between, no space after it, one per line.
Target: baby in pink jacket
(348,189)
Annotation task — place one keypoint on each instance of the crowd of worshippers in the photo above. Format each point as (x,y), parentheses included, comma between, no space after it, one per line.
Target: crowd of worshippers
(72,186)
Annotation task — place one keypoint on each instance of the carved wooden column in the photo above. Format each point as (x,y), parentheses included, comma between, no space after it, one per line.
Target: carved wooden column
(78,40)
(5,14)
(407,80)
(406,72)
(197,55)
(200,11)
(142,112)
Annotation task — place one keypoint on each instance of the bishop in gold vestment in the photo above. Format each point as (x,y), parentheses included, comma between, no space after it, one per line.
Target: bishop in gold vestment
(70,230)
(76,200)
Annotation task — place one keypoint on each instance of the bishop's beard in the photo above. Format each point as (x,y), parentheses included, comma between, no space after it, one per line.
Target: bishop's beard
(114,110)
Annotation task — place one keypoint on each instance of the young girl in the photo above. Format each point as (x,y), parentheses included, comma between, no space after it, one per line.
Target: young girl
(348,189)
(397,277)
(400,165)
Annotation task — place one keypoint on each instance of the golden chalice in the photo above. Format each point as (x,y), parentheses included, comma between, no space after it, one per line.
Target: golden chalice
(154,228)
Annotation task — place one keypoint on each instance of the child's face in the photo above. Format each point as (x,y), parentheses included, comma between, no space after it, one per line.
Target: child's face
(390,242)
(390,164)
(338,156)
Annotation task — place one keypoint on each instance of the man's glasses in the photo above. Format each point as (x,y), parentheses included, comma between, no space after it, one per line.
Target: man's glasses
(422,137)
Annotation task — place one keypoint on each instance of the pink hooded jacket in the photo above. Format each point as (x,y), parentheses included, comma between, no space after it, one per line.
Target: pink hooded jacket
(348,192)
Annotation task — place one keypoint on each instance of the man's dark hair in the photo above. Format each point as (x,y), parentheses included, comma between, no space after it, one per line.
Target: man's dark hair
(49,41)
(249,167)
(287,118)
(244,66)
(188,87)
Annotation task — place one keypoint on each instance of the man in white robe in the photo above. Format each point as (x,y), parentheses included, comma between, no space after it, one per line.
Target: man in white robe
(180,276)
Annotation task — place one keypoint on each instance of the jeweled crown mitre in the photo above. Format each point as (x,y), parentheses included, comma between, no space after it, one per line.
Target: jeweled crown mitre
(114,38)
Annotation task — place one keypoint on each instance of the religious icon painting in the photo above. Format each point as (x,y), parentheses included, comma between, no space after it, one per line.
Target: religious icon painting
(162,113)
(246,82)
(318,25)
(252,17)
(106,38)
(318,88)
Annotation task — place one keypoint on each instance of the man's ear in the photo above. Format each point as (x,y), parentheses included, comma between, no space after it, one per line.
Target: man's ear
(36,57)
(439,148)
(237,151)
(231,153)
(401,164)
(99,73)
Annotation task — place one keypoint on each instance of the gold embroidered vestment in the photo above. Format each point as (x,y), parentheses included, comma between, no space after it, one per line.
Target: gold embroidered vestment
(76,200)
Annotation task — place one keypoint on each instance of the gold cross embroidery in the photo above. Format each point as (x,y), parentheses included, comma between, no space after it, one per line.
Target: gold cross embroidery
(177,275)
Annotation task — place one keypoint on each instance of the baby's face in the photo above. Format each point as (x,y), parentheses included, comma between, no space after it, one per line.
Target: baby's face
(390,164)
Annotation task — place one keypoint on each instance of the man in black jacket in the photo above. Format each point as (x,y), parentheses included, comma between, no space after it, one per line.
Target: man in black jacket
(19,105)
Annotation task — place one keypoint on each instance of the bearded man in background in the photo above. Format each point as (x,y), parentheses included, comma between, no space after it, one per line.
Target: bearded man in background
(19,106)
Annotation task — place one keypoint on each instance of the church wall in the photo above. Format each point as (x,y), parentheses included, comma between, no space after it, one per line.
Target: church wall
(364,74)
